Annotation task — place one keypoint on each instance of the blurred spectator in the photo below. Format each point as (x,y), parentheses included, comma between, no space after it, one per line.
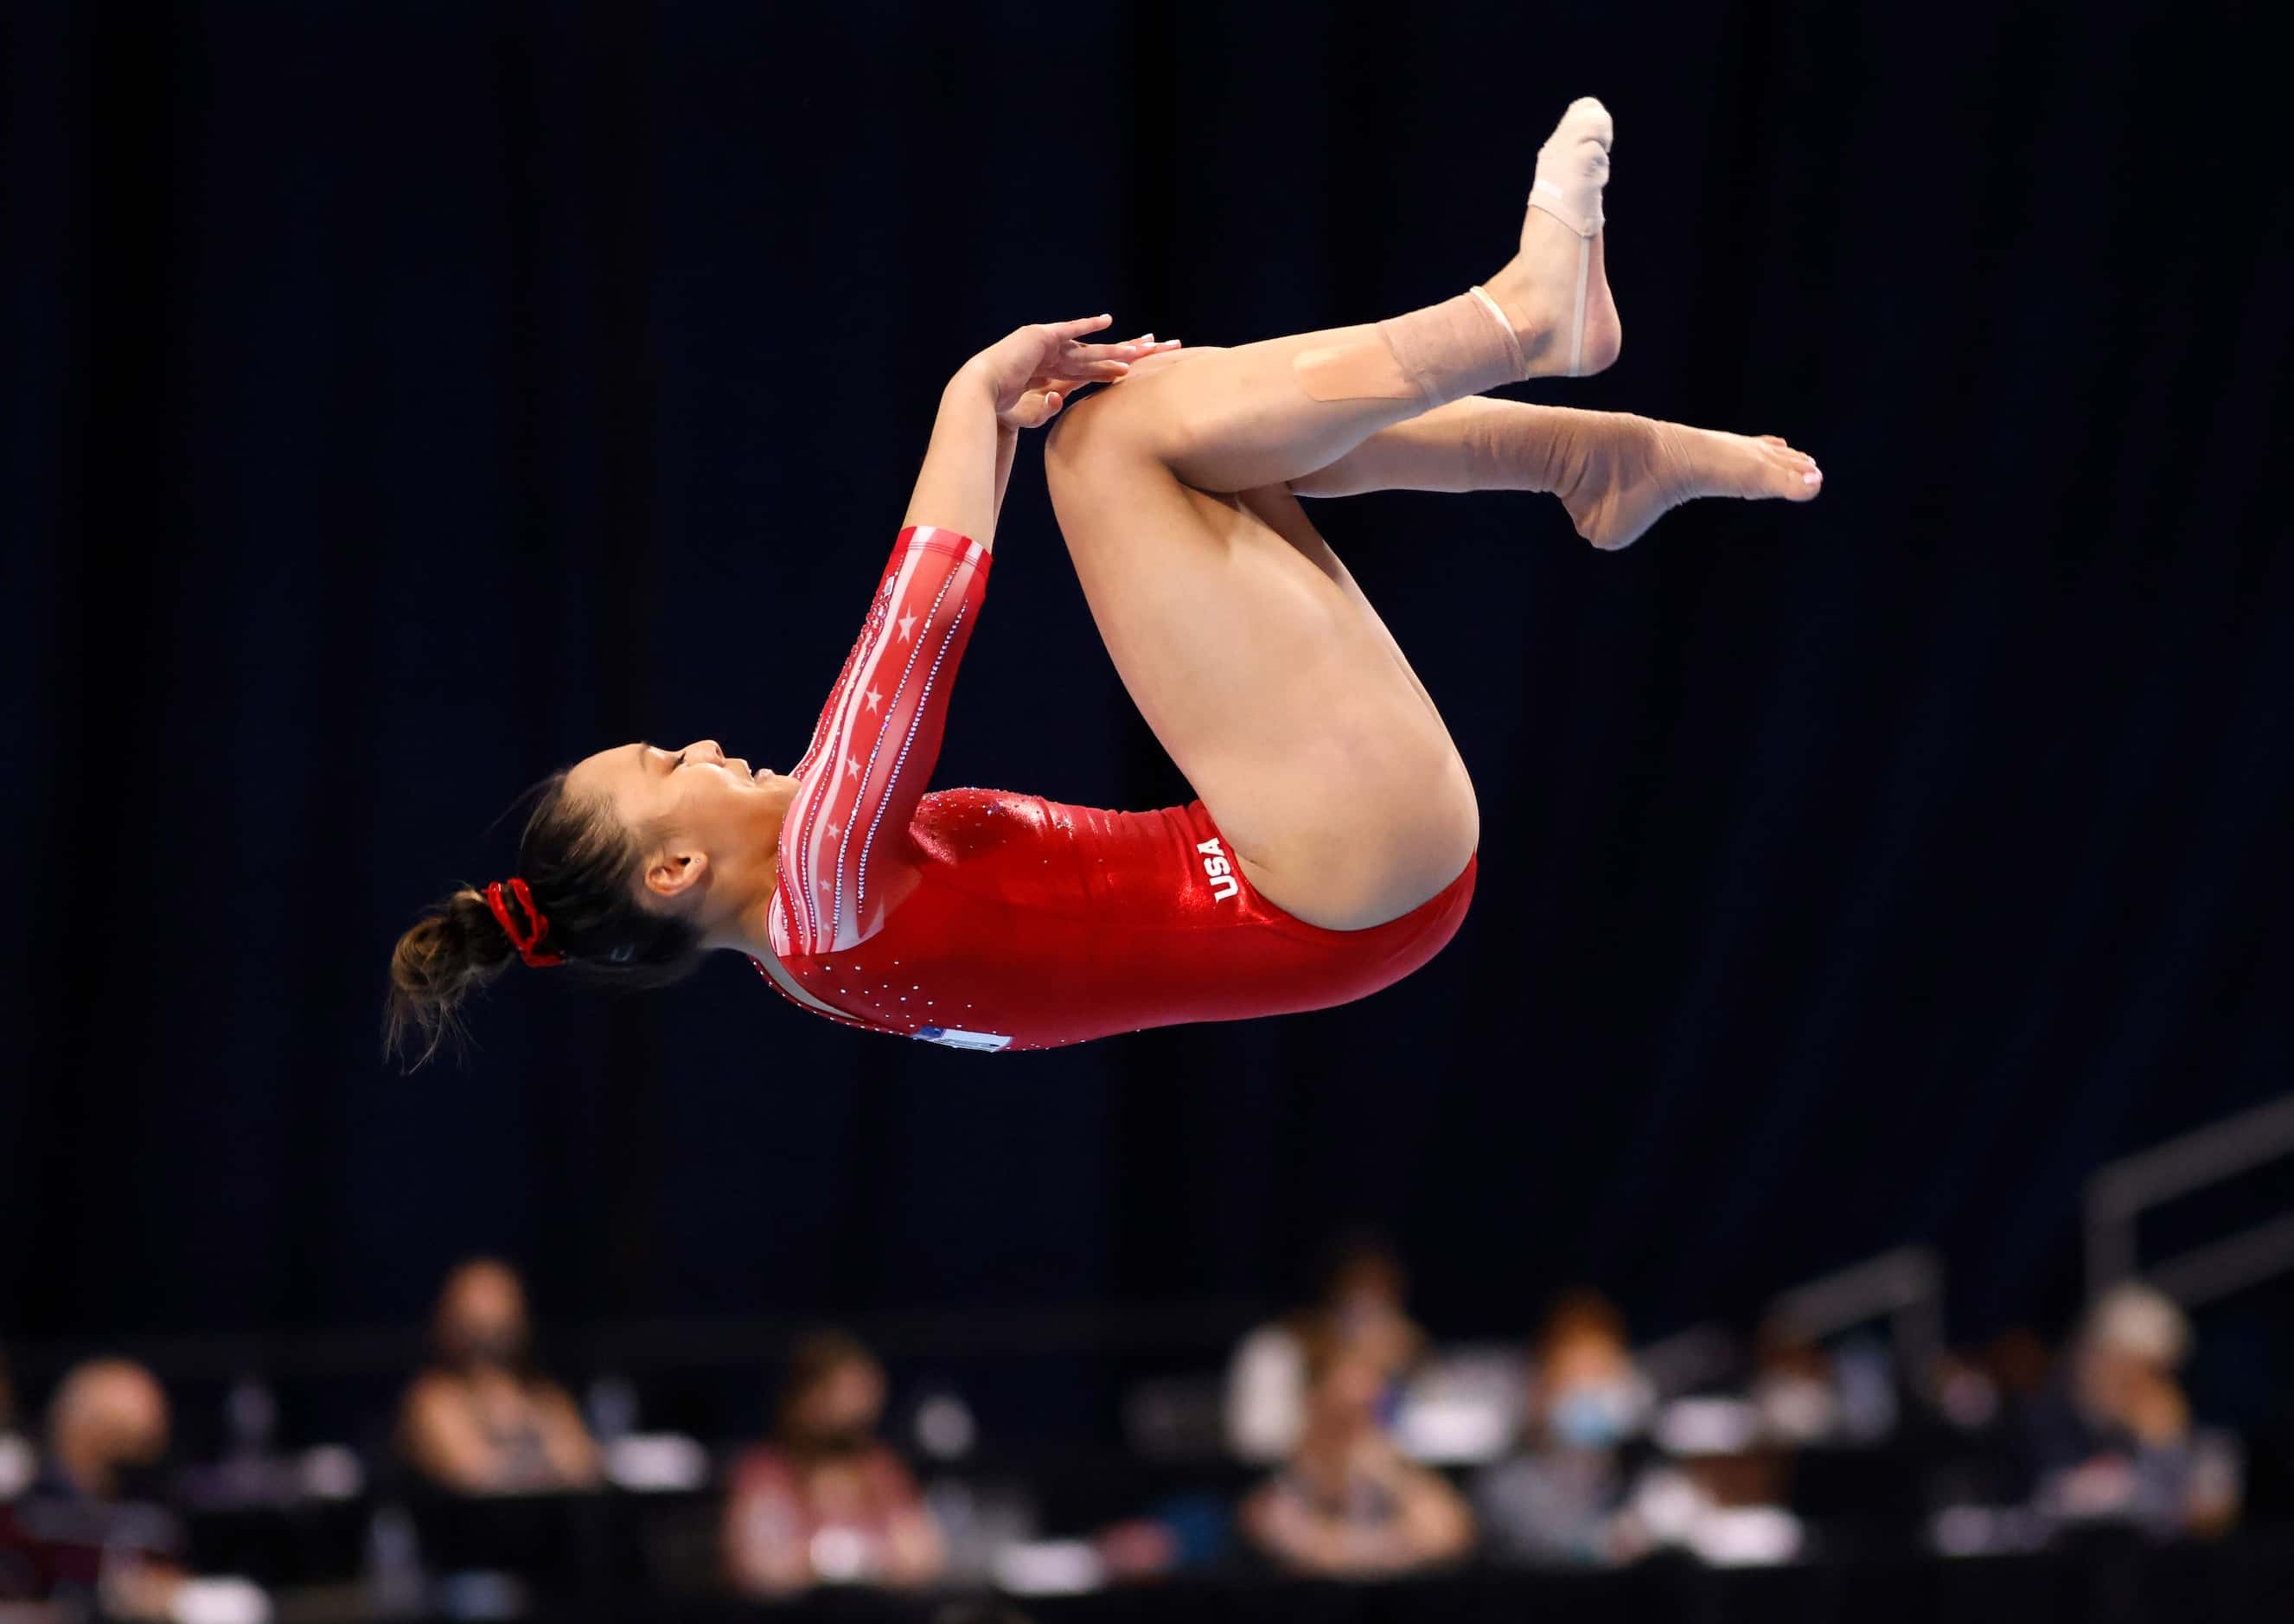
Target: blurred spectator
(1562,1499)
(482,1420)
(1348,1504)
(1792,1386)
(2119,1441)
(2001,1379)
(2020,1363)
(1191,1531)
(826,1500)
(17,1459)
(1361,1303)
(90,1526)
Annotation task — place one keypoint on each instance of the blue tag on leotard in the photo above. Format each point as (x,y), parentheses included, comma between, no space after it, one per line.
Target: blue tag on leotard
(956,1037)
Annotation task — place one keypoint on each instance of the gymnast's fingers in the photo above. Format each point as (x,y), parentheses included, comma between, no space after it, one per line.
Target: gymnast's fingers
(1127,346)
(1129,351)
(1137,349)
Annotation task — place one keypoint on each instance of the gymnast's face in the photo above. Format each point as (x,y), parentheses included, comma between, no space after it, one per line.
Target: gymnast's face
(712,822)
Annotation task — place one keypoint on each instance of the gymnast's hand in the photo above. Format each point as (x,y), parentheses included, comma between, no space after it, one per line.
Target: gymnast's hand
(1031,373)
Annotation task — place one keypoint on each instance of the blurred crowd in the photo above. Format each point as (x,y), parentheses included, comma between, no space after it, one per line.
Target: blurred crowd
(1598,1467)
(1342,1441)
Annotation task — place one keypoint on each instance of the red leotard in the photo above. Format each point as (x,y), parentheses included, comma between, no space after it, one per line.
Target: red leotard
(984,920)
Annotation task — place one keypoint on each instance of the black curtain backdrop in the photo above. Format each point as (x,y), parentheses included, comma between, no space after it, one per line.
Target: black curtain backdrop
(402,400)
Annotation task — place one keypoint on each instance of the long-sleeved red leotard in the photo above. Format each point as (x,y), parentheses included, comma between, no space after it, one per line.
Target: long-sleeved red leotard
(986,920)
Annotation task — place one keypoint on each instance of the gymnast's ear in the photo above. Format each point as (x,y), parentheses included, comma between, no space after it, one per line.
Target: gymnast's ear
(671,874)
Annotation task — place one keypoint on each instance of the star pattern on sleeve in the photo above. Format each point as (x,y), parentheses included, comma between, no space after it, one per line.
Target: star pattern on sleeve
(879,736)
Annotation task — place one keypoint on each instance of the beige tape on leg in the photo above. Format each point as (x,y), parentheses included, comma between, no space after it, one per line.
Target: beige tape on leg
(1443,353)
(1365,370)
(1514,360)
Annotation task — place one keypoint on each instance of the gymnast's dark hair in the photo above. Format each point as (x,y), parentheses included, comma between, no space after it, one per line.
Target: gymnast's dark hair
(580,865)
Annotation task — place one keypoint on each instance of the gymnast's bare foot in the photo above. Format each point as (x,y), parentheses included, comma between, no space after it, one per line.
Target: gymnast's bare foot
(1627,471)
(1559,267)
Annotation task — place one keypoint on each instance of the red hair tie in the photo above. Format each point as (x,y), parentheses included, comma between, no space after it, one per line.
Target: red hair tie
(524,944)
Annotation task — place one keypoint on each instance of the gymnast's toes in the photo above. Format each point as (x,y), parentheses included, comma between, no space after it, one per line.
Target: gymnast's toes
(1785,472)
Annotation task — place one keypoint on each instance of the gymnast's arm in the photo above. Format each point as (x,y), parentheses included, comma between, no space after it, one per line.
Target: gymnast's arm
(1019,382)
(960,484)
(959,489)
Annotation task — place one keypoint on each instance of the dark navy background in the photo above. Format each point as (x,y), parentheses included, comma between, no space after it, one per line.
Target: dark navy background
(399,402)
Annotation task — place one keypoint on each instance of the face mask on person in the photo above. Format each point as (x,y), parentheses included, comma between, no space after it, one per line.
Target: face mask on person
(842,1441)
(1592,1417)
(491,1345)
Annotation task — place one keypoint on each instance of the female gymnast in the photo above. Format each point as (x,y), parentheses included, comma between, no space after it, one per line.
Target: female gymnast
(1332,849)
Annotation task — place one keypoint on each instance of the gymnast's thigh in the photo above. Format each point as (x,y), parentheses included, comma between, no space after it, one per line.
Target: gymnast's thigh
(1266,675)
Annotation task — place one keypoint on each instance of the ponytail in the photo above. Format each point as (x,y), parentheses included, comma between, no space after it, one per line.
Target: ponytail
(455,949)
(577,897)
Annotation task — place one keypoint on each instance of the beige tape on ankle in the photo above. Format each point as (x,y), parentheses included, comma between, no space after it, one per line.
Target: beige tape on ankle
(1515,360)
